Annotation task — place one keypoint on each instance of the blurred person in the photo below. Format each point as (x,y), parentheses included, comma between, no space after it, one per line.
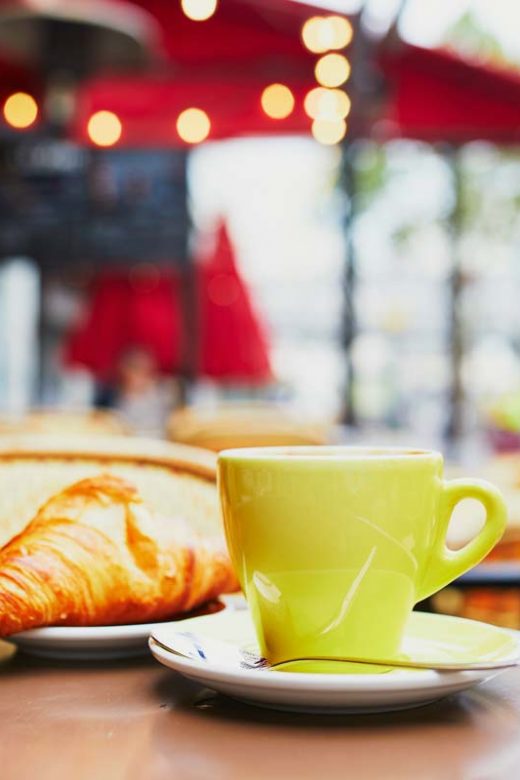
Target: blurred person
(142,397)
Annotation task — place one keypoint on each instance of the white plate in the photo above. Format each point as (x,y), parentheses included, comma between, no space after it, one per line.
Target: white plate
(86,643)
(310,692)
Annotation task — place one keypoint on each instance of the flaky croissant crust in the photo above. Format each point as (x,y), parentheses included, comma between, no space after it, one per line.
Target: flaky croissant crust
(95,555)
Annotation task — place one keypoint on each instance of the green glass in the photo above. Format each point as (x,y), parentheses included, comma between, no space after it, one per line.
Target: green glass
(333,546)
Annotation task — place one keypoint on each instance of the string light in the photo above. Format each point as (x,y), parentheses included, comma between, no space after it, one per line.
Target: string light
(199,10)
(104,128)
(193,125)
(329,131)
(321,103)
(332,70)
(340,31)
(321,34)
(277,101)
(311,34)
(20,110)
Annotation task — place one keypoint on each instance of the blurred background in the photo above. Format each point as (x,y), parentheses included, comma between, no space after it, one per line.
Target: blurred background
(230,222)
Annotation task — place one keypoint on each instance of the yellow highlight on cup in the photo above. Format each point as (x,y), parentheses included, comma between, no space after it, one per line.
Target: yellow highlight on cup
(193,125)
(332,70)
(20,110)
(277,101)
(104,128)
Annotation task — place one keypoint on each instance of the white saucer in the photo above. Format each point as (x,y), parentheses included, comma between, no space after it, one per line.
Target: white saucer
(328,693)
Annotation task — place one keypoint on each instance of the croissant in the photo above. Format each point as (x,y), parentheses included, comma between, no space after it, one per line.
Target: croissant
(95,555)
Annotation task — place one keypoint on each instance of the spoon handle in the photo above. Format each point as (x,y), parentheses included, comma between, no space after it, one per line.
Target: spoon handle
(441,666)
(216,651)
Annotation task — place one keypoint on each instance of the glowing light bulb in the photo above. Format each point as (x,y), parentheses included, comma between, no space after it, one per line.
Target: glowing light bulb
(104,128)
(340,31)
(328,131)
(332,70)
(323,33)
(193,125)
(311,34)
(321,103)
(277,101)
(20,110)
(199,10)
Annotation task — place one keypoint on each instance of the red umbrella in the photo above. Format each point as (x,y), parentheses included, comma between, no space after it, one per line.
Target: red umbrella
(142,307)
(234,345)
(137,308)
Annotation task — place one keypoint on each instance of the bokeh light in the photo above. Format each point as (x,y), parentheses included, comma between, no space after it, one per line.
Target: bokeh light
(329,131)
(322,103)
(332,70)
(104,128)
(193,125)
(340,30)
(311,34)
(20,110)
(199,10)
(321,34)
(277,101)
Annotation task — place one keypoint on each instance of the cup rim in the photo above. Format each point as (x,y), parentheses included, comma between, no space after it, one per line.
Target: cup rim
(325,452)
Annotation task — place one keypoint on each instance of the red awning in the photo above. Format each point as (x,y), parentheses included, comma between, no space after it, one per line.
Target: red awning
(435,95)
(252,31)
(220,65)
(16,77)
(430,95)
(148,108)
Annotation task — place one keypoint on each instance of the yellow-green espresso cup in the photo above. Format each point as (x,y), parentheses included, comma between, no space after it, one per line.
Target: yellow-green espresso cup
(333,546)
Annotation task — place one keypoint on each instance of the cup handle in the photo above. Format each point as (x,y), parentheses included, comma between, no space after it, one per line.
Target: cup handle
(445,565)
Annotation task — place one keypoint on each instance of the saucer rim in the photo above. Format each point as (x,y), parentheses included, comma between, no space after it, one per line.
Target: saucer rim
(63,634)
(397,675)
(321,682)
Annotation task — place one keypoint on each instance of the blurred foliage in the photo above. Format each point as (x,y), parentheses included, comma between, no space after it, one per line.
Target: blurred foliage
(468,38)
(490,194)
(505,412)
(371,165)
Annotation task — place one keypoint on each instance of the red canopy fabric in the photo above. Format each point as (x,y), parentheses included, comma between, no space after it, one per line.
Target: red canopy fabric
(254,31)
(234,345)
(148,108)
(15,77)
(220,65)
(434,95)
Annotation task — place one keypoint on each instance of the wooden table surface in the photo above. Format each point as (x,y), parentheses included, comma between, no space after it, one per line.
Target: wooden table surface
(136,720)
